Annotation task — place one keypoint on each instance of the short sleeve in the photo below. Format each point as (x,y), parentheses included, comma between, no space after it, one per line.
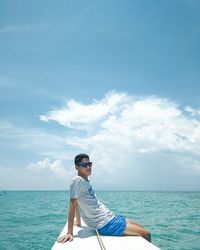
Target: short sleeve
(75,188)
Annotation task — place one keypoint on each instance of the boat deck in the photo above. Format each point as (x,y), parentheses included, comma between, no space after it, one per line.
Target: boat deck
(86,239)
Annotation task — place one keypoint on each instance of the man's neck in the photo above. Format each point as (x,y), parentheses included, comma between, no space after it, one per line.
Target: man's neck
(84,177)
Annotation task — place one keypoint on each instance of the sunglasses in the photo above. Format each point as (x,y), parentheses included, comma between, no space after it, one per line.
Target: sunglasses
(85,165)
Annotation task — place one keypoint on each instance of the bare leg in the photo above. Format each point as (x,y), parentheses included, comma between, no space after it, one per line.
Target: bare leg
(133,222)
(137,230)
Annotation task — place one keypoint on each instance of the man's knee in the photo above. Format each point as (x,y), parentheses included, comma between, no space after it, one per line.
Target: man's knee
(147,235)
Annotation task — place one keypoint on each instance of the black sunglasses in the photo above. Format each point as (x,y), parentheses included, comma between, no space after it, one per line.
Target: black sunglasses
(85,165)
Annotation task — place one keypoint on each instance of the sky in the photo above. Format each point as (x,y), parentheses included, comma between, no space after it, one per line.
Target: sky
(118,80)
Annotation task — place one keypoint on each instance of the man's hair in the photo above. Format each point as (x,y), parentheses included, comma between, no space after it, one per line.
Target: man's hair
(79,158)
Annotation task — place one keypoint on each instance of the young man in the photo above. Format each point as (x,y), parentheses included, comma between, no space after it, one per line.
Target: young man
(93,212)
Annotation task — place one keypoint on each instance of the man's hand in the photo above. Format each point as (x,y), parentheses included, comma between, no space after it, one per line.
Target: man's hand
(64,238)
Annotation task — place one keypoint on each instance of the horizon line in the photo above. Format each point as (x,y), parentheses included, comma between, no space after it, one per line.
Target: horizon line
(108,190)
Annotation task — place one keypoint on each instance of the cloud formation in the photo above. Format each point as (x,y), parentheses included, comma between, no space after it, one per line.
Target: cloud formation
(145,124)
(135,142)
(55,167)
(82,116)
(124,131)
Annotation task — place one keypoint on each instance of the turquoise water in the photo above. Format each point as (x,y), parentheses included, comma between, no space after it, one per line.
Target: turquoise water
(34,219)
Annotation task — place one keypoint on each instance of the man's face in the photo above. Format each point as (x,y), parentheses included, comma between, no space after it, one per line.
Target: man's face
(84,170)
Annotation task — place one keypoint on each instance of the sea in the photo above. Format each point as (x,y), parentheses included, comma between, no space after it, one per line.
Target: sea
(34,219)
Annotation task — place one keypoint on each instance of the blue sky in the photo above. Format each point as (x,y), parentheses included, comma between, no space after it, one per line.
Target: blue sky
(118,80)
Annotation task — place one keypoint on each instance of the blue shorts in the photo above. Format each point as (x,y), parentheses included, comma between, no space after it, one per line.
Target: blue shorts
(115,227)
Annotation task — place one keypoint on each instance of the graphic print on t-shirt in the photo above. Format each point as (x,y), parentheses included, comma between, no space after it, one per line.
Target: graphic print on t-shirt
(91,191)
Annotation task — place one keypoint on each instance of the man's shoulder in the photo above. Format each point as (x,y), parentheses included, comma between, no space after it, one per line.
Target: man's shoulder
(77,179)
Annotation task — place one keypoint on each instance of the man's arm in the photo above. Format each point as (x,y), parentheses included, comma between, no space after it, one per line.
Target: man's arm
(69,235)
(78,219)
(72,208)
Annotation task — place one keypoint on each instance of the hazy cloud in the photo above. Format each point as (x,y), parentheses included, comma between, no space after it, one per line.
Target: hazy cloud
(38,141)
(22,28)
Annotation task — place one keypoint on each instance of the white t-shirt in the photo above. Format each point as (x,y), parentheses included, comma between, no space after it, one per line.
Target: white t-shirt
(93,212)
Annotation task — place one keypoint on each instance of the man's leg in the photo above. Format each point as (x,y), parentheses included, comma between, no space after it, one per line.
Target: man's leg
(135,229)
(133,222)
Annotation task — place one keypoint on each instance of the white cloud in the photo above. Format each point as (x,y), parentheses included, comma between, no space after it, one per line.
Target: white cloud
(55,167)
(134,142)
(142,123)
(84,116)
(121,131)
